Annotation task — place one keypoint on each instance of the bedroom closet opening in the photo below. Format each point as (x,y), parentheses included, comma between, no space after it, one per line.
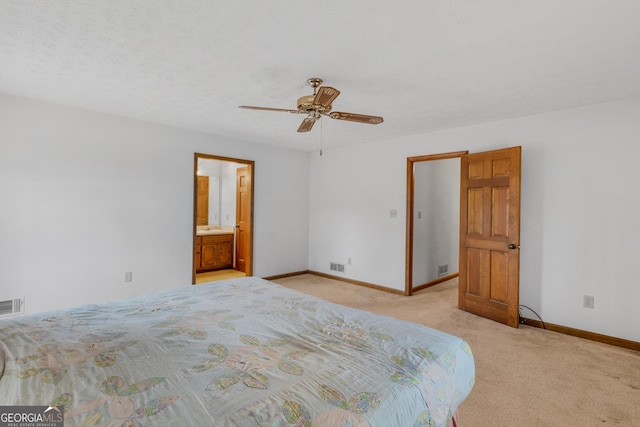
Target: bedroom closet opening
(223,218)
(488,229)
(433,220)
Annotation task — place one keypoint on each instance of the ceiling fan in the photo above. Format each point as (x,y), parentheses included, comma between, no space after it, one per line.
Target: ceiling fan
(319,104)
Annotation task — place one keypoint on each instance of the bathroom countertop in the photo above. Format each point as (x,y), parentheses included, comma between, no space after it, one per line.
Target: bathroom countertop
(213,230)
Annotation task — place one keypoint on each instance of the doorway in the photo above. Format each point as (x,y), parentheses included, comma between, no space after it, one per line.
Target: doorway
(223,218)
(433,194)
(489,237)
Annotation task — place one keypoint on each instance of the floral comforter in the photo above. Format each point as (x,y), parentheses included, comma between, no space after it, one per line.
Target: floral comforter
(242,352)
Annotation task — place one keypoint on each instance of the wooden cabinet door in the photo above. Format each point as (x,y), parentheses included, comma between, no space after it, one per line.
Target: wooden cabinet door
(198,254)
(208,257)
(225,254)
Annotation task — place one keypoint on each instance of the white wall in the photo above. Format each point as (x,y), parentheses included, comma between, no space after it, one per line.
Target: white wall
(580,208)
(87,196)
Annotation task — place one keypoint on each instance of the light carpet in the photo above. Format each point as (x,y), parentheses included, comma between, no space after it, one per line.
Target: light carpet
(525,376)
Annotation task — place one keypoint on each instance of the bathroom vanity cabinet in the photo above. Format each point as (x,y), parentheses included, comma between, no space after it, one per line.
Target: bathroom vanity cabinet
(214,252)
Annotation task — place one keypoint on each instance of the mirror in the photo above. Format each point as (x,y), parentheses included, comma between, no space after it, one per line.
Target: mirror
(219,179)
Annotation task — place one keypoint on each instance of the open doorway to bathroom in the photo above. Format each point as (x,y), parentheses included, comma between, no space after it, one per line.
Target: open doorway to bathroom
(223,218)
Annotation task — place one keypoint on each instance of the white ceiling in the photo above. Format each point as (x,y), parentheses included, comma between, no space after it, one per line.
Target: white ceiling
(421,64)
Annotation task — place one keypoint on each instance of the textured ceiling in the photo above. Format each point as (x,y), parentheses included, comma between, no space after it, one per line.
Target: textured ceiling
(421,64)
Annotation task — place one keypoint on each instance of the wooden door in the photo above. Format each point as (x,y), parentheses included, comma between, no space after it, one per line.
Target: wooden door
(243,220)
(202,201)
(490,235)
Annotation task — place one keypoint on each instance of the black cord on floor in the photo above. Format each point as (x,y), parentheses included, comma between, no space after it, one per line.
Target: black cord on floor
(533,311)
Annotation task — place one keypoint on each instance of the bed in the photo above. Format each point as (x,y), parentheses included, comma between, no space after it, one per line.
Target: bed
(241,352)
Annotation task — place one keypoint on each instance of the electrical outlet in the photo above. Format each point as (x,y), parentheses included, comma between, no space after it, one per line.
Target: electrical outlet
(393,213)
(589,301)
(128,276)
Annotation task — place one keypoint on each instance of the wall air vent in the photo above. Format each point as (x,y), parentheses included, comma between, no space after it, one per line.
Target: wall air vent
(334,266)
(443,270)
(12,307)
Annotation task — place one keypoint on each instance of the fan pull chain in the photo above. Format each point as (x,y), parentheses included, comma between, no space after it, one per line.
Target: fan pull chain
(321,137)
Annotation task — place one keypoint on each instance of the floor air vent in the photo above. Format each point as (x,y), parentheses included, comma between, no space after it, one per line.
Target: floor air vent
(11,307)
(334,266)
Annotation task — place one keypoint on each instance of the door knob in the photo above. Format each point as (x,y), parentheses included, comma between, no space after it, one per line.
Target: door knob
(512,246)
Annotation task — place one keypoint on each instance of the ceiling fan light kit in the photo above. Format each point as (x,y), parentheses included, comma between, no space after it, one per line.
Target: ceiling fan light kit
(320,104)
